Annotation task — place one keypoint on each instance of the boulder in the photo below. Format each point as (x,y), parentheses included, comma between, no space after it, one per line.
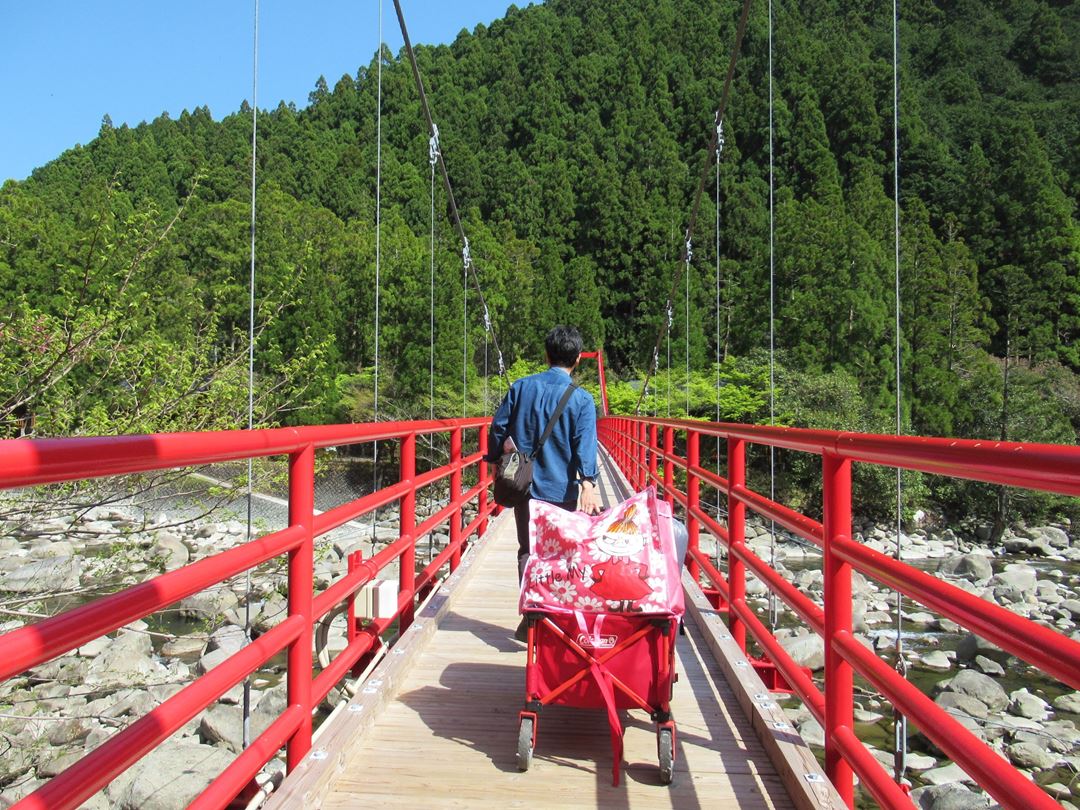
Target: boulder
(948,796)
(229,638)
(988,666)
(184,647)
(972,645)
(1068,703)
(807,651)
(981,687)
(1050,535)
(1017,575)
(973,567)
(44,576)
(945,774)
(1030,756)
(935,660)
(1024,704)
(168,777)
(208,604)
(127,660)
(956,702)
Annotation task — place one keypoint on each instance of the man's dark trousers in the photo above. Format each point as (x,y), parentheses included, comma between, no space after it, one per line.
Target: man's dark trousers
(521,522)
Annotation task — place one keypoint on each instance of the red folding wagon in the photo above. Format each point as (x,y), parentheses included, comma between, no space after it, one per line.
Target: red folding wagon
(603,599)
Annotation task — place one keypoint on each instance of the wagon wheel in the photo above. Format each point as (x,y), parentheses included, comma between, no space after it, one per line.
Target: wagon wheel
(665,752)
(525,743)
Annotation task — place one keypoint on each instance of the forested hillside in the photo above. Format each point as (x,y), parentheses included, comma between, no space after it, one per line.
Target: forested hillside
(574,132)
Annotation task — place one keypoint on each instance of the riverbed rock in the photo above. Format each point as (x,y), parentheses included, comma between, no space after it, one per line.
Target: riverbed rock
(229,638)
(972,645)
(1030,756)
(1017,575)
(44,576)
(1050,535)
(974,567)
(127,660)
(1024,704)
(955,702)
(948,796)
(807,651)
(186,648)
(945,774)
(168,777)
(988,666)
(935,660)
(981,687)
(208,604)
(1068,703)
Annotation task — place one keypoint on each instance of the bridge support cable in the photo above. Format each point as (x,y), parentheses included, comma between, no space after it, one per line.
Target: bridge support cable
(718,118)
(378,263)
(433,152)
(719,471)
(899,719)
(246,699)
(773,605)
(470,268)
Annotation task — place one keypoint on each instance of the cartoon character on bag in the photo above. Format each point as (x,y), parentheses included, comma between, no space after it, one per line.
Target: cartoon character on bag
(619,580)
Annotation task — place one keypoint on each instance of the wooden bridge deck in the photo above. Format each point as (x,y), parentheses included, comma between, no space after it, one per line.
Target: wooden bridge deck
(436,723)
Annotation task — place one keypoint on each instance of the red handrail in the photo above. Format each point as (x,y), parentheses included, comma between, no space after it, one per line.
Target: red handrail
(31,462)
(643,448)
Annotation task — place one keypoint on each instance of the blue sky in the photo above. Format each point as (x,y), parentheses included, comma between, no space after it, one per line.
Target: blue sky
(65,64)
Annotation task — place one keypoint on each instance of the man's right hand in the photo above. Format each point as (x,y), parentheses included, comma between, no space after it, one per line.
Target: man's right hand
(589,498)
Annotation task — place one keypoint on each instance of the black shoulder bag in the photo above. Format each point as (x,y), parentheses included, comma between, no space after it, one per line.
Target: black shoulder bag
(513,476)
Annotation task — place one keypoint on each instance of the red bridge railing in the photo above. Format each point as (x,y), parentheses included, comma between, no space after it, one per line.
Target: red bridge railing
(644,450)
(26,463)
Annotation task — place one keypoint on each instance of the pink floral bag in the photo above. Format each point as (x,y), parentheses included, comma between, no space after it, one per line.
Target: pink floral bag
(621,561)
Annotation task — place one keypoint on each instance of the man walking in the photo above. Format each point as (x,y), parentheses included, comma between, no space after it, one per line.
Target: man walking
(564,472)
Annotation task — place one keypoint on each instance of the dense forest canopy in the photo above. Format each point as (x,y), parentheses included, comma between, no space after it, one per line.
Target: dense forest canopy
(574,132)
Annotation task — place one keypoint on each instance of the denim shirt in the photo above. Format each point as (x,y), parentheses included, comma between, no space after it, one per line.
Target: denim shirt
(569,454)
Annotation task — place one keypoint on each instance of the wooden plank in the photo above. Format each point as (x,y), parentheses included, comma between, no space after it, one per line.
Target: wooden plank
(795,763)
(309,783)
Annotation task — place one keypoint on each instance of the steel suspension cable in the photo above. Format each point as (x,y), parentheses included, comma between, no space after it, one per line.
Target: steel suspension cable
(719,150)
(686,319)
(899,720)
(773,605)
(246,734)
(378,260)
(433,151)
(718,118)
(466,255)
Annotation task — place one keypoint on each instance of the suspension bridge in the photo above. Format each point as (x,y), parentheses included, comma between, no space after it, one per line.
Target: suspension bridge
(432,719)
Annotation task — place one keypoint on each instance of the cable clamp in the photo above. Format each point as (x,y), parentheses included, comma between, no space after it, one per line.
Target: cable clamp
(655,359)
(502,365)
(689,250)
(719,137)
(466,255)
(670,315)
(433,145)
(487,319)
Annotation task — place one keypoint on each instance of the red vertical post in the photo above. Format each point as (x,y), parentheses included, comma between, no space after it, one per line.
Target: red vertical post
(301,583)
(839,692)
(639,476)
(693,498)
(455,497)
(669,467)
(736,536)
(353,561)
(482,505)
(406,524)
(652,454)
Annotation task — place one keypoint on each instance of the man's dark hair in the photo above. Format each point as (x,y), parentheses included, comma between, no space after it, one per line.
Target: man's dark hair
(563,345)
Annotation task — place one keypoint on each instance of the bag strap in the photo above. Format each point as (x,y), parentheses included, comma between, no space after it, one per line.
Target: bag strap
(554,418)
